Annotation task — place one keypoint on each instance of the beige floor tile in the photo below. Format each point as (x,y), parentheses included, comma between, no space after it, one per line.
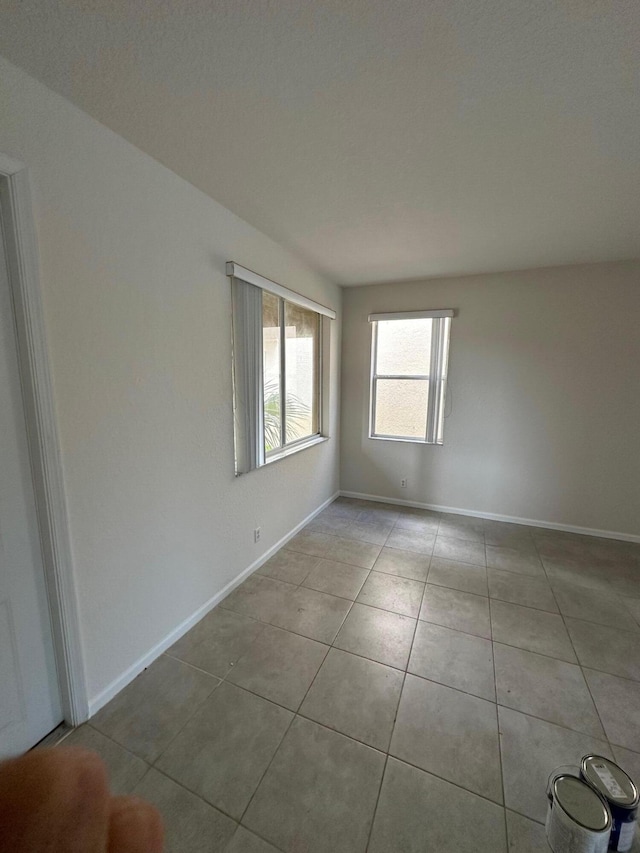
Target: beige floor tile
(288,566)
(312,542)
(355,696)
(461,611)
(629,761)
(388,592)
(506,535)
(373,532)
(544,687)
(223,751)
(334,525)
(246,842)
(533,630)
(525,835)
(453,658)
(279,666)
(351,528)
(618,703)
(336,579)
(427,523)
(149,712)
(531,750)
(461,527)
(356,553)
(125,769)
(593,606)
(522,589)
(633,606)
(313,614)
(606,649)
(346,507)
(463,576)
(582,577)
(512,560)
(377,634)
(190,824)
(217,641)
(379,514)
(404,564)
(419,813)
(449,733)
(411,540)
(319,794)
(311,781)
(463,550)
(258,597)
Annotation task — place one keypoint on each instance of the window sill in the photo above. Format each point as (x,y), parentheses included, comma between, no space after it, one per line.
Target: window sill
(406,440)
(296,448)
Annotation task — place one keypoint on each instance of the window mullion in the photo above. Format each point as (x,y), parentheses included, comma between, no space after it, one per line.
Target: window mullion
(432,401)
(283,377)
(373,379)
(318,376)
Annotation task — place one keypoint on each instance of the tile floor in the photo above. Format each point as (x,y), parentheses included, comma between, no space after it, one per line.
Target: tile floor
(393,680)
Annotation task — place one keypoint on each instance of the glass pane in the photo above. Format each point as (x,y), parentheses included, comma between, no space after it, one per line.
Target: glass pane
(301,355)
(271,370)
(401,407)
(404,347)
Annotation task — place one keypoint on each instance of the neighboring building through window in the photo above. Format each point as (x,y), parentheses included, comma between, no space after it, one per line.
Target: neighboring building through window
(277,369)
(409,362)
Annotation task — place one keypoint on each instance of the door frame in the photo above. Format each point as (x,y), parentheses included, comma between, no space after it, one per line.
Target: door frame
(42,433)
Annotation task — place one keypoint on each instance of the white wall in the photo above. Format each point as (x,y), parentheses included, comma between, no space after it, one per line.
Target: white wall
(137,312)
(545,393)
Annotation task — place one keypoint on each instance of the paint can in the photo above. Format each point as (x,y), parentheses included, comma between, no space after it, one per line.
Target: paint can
(621,795)
(578,818)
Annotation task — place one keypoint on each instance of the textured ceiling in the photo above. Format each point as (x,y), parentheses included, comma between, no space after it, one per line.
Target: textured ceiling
(379,139)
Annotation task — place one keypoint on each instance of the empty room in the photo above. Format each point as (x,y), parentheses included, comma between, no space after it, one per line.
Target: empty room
(319,426)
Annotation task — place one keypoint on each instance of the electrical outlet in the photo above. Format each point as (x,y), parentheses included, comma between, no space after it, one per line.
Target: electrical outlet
(403,483)
(256,534)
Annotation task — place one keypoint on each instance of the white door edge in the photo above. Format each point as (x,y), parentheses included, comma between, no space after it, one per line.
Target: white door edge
(48,480)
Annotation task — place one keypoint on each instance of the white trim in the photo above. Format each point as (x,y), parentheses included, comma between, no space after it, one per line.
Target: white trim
(146,660)
(492,516)
(236,271)
(290,449)
(22,254)
(413,315)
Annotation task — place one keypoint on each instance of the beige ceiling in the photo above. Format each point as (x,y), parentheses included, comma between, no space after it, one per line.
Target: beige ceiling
(379,139)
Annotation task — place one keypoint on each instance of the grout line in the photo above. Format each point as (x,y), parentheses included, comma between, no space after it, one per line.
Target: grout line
(448,781)
(275,752)
(495,688)
(584,678)
(405,671)
(429,621)
(375,808)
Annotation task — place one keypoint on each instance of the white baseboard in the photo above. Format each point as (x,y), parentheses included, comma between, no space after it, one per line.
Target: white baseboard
(147,659)
(510,519)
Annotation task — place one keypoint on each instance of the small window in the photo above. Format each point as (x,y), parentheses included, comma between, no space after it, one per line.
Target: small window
(409,360)
(290,362)
(277,369)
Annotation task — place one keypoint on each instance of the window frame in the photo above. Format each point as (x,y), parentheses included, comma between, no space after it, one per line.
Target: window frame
(438,363)
(248,374)
(286,448)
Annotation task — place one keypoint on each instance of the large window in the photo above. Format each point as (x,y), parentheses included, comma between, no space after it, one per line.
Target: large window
(277,369)
(409,361)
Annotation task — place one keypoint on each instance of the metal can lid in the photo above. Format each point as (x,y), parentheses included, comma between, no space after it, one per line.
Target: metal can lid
(610,780)
(579,800)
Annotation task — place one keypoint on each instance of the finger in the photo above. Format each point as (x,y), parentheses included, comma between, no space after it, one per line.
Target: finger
(55,800)
(135,827)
